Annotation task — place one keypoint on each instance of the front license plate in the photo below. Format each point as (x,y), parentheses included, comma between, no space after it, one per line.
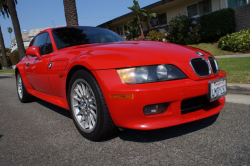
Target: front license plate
(218,89)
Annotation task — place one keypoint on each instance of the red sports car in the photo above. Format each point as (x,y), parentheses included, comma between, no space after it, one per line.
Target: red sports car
(107,82)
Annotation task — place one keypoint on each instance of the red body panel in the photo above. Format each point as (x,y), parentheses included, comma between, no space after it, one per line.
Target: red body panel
(129,114)
(102,60)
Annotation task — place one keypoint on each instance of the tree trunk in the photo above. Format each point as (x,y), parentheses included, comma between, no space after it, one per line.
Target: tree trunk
(5,63)
(16,26)
(139,22)
(70,12)
(10,39)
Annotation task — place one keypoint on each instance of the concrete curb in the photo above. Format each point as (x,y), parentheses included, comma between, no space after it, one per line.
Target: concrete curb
(233,56)
(7,74)
(238,88)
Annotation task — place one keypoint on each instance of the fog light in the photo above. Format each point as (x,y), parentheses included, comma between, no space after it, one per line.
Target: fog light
(155,109)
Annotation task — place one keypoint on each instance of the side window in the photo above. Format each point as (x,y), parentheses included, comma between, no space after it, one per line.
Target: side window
(40,41)
(48,46)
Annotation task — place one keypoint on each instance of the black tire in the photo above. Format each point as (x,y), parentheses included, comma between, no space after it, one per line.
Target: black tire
(102,125)
(25,97)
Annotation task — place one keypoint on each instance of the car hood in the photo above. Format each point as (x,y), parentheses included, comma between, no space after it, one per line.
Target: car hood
(135,53)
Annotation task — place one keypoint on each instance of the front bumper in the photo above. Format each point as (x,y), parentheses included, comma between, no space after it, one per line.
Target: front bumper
(128,113)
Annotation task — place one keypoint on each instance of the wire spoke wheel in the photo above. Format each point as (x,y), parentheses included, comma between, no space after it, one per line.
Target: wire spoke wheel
(88,107)
(83,105)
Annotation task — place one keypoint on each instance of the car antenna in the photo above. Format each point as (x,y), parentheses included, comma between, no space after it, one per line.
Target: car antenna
(53,23)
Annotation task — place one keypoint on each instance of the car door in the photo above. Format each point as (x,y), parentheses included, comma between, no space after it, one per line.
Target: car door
(37,70)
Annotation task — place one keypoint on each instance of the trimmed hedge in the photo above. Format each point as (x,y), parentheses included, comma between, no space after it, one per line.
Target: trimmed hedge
(9,63)
(237,42)
(14,57)
(1,63)
(217,24)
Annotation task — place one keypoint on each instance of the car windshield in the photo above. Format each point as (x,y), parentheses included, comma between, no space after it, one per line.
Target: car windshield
(72,36)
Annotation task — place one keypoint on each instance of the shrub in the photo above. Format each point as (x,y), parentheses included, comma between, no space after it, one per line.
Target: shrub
(239,41)
(193,36)
(1,63)
(141,38)
(14,57)
(155,36)
(182,31)
(8,61)
(217,24)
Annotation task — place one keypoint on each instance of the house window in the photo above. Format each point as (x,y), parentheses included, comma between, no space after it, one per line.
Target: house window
(160,19)
(125,29)
(117,30)
(199,8)
(121,31)
(236,3)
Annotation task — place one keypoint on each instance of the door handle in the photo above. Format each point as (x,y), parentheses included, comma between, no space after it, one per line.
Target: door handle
(27,64)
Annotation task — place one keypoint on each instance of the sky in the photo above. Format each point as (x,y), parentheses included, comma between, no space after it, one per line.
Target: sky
(33,14)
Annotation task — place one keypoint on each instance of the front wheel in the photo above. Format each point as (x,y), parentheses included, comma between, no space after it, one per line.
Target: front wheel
(88,107)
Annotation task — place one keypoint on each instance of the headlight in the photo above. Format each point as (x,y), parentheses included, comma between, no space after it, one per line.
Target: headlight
(162,71)
(155,73)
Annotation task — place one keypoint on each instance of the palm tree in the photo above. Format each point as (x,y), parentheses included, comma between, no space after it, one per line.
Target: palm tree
(4,11)
(16,26)
(147,16)
(70,12)
(133,28)
(136,9)
(10,31)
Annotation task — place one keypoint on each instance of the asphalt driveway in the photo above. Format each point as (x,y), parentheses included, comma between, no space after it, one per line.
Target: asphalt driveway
(40,133)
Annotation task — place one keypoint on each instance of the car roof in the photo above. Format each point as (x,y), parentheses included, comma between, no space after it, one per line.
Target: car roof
(50,29)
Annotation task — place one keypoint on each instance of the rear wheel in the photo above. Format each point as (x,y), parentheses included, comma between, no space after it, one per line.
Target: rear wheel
(88,107)
(22,93)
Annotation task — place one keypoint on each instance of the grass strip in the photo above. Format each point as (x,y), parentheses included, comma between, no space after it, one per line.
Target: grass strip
(11,71)
(238,69)
(212,48)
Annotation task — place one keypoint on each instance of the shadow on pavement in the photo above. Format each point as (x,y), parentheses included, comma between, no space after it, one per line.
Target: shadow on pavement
(1,136)
(166,133)
(1,77)
(145,135)
(54,108)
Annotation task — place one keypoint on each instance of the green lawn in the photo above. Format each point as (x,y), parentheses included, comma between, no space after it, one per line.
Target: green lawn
(238,69)
(8,71)
(212,48)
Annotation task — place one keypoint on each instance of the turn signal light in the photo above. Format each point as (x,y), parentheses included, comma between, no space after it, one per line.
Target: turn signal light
(155,109)
(122,96)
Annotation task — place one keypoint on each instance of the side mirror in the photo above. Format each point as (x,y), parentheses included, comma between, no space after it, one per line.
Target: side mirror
(34,51)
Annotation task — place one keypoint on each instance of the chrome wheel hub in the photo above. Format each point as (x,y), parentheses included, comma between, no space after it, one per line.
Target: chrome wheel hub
(83,103)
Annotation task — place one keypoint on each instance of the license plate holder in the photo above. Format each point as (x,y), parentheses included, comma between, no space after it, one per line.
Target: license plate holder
(217,88)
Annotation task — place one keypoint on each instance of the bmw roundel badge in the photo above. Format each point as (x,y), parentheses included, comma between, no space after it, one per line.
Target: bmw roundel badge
(200,54)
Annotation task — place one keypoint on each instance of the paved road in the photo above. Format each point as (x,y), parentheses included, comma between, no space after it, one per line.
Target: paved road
(39,133)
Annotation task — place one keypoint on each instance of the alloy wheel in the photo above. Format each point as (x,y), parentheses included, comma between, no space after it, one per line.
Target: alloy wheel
(84,105)
(20,86)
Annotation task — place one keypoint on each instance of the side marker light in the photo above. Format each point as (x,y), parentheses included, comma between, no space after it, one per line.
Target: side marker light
(122,96)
